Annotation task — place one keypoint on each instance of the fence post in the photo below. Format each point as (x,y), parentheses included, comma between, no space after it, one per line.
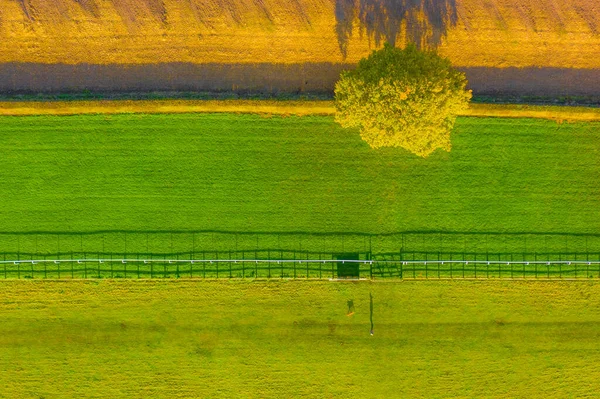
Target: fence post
(321,268)
(333,274)
(587,268)
(268,264)
(307,266)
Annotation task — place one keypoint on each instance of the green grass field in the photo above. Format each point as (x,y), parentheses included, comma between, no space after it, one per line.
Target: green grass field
(182,184)
(168,339)
(218,185)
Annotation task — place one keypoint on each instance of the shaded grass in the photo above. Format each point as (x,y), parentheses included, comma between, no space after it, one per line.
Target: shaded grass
(223,339)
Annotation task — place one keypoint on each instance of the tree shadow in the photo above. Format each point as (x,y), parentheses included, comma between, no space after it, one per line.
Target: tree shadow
(423,22)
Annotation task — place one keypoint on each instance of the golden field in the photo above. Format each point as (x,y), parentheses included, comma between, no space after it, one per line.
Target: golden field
(490,33)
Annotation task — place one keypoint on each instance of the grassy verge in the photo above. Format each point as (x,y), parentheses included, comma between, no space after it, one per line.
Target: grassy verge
(552,112)
(223,339)
(270,107)
(275,107)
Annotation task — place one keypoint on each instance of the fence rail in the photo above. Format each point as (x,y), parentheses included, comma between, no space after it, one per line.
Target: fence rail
(367,268)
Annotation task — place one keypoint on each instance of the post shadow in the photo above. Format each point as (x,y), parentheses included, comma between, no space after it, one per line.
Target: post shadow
(371,312)
(350,304)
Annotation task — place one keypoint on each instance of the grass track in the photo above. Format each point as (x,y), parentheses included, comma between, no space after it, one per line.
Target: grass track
(160,177)
(283,339)
(270,107)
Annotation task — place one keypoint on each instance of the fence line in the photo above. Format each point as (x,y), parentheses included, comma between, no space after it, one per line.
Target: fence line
(296,268)
(405,262)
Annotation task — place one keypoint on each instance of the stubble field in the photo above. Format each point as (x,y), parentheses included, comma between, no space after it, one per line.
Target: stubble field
(520,47)
(494,33)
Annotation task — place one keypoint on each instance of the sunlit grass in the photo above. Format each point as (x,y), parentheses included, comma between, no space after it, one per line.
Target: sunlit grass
(294,339)
(161,177)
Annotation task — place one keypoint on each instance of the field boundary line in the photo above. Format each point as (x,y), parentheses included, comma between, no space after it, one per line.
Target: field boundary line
(294,269)
(278,261)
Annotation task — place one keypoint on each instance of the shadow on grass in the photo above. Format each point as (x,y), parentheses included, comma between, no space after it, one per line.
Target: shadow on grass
(297,233)
(371,312)
(297,245)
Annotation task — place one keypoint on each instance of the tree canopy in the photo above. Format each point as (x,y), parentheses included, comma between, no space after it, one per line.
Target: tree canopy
(402,98)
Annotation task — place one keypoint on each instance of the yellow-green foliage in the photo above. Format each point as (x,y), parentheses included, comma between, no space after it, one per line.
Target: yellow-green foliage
(402,98)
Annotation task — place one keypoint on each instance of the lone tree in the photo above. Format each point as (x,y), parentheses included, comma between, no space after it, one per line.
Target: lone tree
(402,98)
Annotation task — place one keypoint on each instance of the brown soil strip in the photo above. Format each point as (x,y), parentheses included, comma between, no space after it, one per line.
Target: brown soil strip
(268,78)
